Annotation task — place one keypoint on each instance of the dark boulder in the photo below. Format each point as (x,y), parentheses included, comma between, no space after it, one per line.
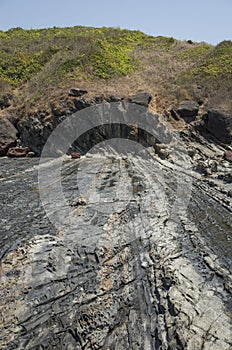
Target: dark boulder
(83,103)
(18,152)
(30,155)
(99,99)
(60,108)
(219,124)
(141,98)
(115,98)
(5,100)
(8,136)
(188,110)
(77,92)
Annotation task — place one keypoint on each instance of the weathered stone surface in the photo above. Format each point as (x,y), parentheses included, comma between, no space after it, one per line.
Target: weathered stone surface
(123,273)
(35,129)
(82,103)
(18,152)
(219,124)
(141,98)
(162,150)
(115,98)
(8,136)
(188,110)
(135,265)
(62,107)
(31,154)
(77,92)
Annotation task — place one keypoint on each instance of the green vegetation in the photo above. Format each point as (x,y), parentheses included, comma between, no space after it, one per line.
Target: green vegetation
(196,52)
(44,62)
(216,62)
(105,52)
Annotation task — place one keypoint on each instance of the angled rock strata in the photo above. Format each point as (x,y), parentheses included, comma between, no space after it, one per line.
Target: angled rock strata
(135,254)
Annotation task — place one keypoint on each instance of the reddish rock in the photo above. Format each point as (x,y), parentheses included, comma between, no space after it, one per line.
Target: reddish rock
(8,136)
(5,145)
(228,156)
(18,152)
(75,155)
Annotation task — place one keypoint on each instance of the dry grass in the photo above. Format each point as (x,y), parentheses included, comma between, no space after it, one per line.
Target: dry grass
(163,66)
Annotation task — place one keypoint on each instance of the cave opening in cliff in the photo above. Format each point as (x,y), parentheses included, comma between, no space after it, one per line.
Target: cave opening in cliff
(106,132)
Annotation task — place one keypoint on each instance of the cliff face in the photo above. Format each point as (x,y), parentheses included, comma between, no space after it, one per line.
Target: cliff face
(33,130)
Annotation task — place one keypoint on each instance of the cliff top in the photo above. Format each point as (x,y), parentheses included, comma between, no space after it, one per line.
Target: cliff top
(39,66)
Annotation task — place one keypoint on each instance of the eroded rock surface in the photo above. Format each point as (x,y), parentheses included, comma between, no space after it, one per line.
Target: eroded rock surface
(132,268)
(18,152)
(8,135)
(188,110)
(219,124)
(141,98)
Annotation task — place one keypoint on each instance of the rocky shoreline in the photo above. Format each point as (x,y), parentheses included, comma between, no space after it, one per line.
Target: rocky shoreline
(127,275)
(132,267)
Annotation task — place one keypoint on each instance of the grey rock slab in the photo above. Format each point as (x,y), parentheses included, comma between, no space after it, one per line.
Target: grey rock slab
(131,268)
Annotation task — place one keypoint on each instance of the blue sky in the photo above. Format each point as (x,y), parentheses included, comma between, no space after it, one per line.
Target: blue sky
(199,20)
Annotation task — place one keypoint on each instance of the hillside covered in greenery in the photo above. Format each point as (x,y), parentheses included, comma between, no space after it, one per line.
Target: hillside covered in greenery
(37,61)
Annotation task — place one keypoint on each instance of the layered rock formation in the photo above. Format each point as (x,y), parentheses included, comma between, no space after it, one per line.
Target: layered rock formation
(138,256)
(130,272)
